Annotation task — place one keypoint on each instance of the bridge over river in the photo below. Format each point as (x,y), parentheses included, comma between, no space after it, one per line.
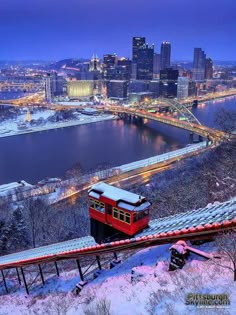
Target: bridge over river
(186,120)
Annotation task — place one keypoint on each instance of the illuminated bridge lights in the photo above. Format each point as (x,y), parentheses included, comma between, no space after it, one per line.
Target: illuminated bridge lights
(193,126)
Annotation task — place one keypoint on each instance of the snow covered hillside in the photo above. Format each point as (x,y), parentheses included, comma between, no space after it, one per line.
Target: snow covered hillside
(151,289)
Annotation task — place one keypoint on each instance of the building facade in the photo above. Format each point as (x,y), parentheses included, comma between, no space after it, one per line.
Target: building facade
(165,55)
(109,62)
(182,89)
(209,69)
(80,89)
(145,62)
(199,63)
(156,64)
(117,89)
(137,43)
(168,83)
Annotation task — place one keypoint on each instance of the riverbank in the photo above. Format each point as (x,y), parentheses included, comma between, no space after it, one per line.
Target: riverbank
(61,124)
(220,98)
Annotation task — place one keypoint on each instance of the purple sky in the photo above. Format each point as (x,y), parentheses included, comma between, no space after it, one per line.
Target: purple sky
(57,29)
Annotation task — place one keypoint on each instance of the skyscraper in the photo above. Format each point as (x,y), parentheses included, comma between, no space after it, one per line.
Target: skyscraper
(50,86)
(109,61)
(94,64)
(199,62)
(145,56)
(137,42)
(208,69)
(165,55)
(126,65)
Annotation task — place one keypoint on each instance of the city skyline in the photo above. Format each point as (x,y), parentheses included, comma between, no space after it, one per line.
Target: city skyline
(68,29)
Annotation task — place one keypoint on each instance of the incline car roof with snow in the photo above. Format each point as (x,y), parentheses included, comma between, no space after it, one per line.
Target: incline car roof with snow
(124,199)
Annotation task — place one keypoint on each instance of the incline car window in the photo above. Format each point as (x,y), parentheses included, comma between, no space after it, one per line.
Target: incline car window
(121,215)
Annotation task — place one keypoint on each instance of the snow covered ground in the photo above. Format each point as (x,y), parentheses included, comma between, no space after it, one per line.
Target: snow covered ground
(10,127)
(154,289)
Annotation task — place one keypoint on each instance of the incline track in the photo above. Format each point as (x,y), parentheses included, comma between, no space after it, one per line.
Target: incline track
(196,224)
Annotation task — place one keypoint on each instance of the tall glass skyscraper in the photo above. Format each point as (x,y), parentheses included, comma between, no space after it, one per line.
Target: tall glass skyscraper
(199,63)
(165,55)
(145,62)
(137,43)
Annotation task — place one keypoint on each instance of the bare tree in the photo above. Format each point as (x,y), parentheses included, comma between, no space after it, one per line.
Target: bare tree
(226,120)
(58,304)
(102,307)
(226,242)
(39,218)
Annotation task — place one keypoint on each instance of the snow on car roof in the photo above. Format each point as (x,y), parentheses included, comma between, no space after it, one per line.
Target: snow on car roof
(130,207)
(115,193)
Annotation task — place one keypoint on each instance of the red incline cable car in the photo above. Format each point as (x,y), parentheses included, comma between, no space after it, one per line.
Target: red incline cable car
(114,211)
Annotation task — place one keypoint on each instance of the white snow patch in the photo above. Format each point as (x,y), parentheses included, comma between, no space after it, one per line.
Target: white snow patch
(158,291)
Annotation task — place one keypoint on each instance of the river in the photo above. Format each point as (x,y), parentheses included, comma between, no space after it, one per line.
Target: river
(35,156)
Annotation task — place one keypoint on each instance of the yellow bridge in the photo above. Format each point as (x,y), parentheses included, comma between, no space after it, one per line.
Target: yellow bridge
(213,135)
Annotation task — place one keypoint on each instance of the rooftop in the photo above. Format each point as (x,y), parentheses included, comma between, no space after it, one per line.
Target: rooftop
(115,193)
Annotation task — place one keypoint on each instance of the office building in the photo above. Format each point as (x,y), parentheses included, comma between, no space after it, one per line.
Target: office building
(165,55)
(137,43)
(208,69)
(117,89)
(134,71)
(138,86)
(192,88)
(168,83)
(145,62)
(154,88)
(182,89)
(109,61)
(126,65)
(61,86)
(84,73)
(199,63)
(50,86)
(156,64)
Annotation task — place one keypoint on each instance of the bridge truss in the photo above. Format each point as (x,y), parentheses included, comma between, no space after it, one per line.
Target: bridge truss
(183,110)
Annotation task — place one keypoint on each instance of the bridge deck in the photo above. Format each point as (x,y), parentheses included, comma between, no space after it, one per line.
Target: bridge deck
(213,134)
(196,223)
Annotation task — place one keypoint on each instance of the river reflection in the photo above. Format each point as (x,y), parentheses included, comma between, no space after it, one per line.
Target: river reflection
(35,156)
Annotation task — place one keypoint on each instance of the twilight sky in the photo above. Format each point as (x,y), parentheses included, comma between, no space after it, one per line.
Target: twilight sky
(57,29)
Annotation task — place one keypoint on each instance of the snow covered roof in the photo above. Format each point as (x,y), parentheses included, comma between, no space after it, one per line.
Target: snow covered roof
(115,193)
(130,207)
(8,187)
